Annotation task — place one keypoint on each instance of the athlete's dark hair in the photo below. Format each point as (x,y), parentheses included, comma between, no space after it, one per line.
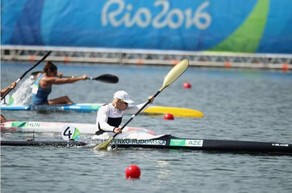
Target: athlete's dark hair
(50,67)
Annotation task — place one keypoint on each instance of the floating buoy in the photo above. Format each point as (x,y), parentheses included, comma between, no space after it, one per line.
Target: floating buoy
(187,85)
(31,58)
(285,67)
(133,172)
(168,116)
(227,64)
(67,59)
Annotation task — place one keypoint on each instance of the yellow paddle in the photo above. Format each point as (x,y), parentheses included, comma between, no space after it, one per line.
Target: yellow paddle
(172,75)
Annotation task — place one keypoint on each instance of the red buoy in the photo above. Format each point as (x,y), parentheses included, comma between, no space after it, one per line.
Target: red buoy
(133,172)
(285,67)
(187,85)
(168,116)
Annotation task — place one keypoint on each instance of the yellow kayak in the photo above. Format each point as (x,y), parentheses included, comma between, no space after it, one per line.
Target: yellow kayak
(93,107)
(175,111)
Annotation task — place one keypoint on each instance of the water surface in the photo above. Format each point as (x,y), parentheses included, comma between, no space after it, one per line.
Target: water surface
(237,104)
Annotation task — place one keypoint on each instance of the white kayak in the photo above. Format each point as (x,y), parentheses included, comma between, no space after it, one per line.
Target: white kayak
(57,127)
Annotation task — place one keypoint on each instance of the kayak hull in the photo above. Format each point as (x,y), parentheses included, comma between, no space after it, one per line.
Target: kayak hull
(93,107)
(45,127)
(172,142)
(55,127)
(81,107)
(43,143)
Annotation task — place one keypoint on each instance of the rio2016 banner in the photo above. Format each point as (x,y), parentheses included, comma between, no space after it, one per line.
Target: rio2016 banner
(251,26)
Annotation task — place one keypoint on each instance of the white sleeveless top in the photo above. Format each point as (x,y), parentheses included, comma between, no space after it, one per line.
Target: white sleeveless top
(108,115)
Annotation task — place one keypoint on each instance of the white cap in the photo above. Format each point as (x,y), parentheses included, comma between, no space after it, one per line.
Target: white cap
(123,95)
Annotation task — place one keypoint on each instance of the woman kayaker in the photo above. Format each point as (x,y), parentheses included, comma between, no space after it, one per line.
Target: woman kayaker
(42,87)
(109,117)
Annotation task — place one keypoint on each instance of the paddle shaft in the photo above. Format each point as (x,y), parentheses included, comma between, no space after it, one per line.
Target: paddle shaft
(21,77)
(88,78)
(107,78)
(94,78)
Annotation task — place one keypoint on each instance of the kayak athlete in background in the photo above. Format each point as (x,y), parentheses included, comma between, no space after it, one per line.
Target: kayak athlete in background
(3,91)
(109,117)
(42,87)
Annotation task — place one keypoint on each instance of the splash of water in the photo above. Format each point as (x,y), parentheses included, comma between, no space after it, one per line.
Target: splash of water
(22,95)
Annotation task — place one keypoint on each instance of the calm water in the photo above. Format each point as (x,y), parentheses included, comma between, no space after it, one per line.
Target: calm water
(240,105)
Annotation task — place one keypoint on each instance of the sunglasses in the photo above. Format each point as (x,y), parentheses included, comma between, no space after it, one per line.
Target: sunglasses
(122,101)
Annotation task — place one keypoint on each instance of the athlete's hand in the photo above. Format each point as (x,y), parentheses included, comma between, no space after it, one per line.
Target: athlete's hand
(151,99)
(117,130)
(13,85)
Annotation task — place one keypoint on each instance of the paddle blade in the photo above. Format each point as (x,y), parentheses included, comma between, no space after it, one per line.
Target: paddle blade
(108,78)
(103,145)
(174,73)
